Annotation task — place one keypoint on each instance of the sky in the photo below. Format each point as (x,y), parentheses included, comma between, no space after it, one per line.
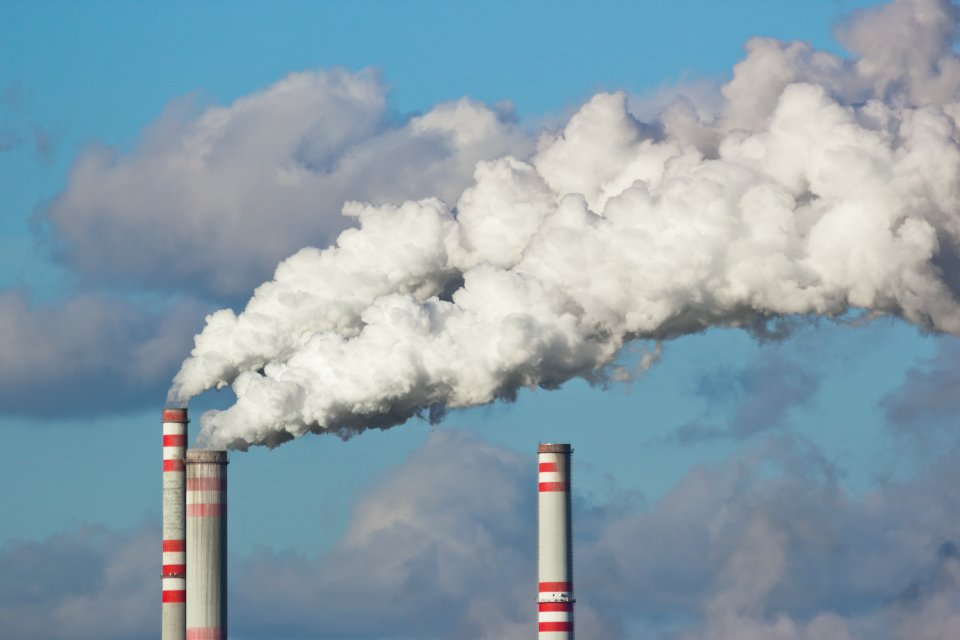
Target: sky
(788,475)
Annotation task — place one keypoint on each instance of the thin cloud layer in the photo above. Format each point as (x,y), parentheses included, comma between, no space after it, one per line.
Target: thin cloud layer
(766,544)
(759,398)
(59,358)
(89,584)
(439,549)
(927,402)
(18,126)
(210,201)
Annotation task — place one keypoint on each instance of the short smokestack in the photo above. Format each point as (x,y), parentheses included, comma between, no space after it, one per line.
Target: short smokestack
(554,555)
(173,572)
(207,545)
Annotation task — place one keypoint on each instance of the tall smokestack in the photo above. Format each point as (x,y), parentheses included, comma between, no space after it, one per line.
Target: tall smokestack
(207,545)
(554,555)
(173,573)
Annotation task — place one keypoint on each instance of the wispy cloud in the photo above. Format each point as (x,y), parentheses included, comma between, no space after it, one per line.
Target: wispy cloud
(19,128)
(758,398)
(926,405)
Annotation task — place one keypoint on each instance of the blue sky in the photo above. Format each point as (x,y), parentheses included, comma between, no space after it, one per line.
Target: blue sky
(101,75)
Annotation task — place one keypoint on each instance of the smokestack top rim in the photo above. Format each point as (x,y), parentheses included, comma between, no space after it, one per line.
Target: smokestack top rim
(174,415)
(550,447)
(199,456)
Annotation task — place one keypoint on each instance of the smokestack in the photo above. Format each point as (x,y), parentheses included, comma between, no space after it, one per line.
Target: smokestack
(207,545)
(554,555)
(173,573)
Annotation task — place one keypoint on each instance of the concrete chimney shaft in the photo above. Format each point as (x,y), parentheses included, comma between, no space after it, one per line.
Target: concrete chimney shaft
(206,545)
(554,555)
(173,573)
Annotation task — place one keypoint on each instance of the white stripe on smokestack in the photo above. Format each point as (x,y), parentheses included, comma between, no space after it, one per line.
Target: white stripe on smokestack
(554,556)
(173,573)
(207,545)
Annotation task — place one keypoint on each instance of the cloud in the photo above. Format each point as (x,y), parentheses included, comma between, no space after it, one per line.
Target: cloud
(758,398)
(932,599)
(926,403)
(769,545)
(442,547)
(84,585)
(818,189)
(207,203)
(587,232)
(905,47)
(45,144)
(211,200)
(58,359)
(439,549)
(763,545)
(18,125)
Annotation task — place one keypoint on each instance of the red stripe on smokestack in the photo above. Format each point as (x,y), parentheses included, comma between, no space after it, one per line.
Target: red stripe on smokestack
(552,486)
(556,626)
(548,466)
(175,415)
(174,545)
(206,484)
(206,510)
(174,596)
(555,606)
(174,570)
(174,465)
(175,440)
(211,633)
(555,586)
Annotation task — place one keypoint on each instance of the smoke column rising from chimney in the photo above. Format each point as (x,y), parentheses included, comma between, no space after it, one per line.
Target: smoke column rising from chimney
(823,185)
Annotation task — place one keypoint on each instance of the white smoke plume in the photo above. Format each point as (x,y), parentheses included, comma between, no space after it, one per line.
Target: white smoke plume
(823,185)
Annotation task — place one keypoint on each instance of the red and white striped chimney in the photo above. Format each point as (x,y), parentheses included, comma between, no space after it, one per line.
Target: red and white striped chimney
(173,573)
(554,555)
(207,545)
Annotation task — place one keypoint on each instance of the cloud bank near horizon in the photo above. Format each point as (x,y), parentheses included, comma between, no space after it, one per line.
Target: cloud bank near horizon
(763,545)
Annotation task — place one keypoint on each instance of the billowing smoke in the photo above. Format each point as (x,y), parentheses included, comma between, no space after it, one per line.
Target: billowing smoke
(823,185)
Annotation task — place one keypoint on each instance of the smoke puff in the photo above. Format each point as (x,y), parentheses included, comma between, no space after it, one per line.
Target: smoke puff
(822,187)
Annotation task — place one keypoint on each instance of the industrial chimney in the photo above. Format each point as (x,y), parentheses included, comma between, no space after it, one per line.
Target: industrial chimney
(554,556)
(207,545)
(173,572)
